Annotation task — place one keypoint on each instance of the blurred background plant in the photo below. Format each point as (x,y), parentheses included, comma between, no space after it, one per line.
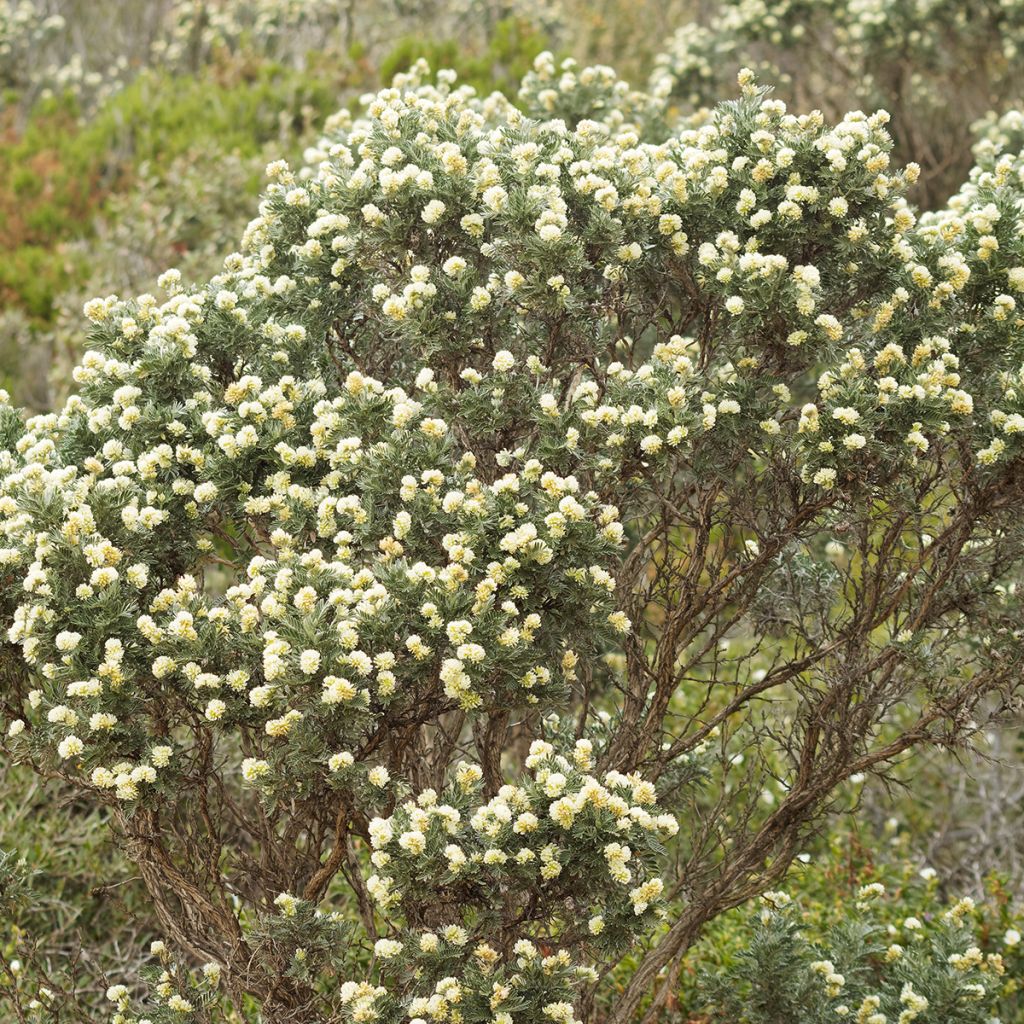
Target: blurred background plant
(133,137)
(912,58)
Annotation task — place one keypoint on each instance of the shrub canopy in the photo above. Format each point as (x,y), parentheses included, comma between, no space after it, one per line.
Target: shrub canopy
(502,561)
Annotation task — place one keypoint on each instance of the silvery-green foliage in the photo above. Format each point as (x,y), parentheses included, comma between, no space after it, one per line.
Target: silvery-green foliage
(865,969)
(367,585)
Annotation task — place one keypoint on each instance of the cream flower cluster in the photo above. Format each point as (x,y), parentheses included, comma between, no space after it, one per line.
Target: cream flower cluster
(573,94)
(791,176)
(524,835)
(527,846)
(440,586)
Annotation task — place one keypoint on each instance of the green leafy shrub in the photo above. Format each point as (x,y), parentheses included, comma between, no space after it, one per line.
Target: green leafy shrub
(826,885)
(59,172)
(862,968)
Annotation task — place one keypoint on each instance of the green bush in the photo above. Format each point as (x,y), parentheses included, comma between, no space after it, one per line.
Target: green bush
(865,966)
(748,957)
(58,174)
(506,58)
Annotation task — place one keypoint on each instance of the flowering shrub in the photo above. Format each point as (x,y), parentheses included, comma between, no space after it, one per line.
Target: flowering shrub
(866,971)
(430,596)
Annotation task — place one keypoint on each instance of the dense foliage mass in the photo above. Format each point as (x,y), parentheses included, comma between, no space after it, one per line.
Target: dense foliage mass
(494,570)
(561,519)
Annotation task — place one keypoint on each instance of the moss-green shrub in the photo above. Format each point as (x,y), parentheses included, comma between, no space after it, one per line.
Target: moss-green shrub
(58,173)
(501,65)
